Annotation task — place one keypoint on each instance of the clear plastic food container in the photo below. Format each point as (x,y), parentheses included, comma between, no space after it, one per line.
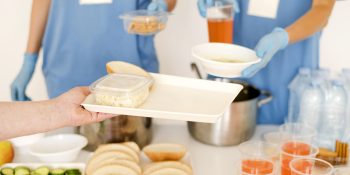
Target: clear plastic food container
(143,22)
(121,90)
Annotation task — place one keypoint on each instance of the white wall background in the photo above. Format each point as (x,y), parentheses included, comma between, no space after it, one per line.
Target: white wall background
(185,29)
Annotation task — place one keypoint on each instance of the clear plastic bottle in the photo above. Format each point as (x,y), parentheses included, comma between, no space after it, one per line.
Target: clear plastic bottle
(311,103)
(324,76)
(333,118)
(296,87)
(345,75)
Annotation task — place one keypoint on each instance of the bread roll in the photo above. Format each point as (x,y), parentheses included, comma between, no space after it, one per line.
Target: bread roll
(168,171)
(167,164)
(164,151)
(118,147)
(133,146)
(100,157)
(120,67)
(114,169)
(131,164)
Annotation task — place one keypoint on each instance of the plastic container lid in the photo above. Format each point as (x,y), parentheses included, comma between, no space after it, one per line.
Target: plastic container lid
(145,13)
(120,84)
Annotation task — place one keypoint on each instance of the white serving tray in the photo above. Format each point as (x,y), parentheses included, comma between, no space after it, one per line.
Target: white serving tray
(178,98)
(80,166)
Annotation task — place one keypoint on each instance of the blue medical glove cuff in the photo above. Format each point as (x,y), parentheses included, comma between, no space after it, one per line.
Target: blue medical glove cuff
(283,36)
(30,58)
(236,6)
(19,85)
(158,5)
(266,48)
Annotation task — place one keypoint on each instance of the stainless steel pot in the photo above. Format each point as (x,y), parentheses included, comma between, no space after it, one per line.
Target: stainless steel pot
(238,122)
(118,129)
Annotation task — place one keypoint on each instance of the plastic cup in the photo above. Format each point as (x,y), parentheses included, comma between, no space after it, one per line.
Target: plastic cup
(220,9)
(257,158)
(273,137)
(310,166)
(293,149)
(342,170)
(220,16)
(297,131)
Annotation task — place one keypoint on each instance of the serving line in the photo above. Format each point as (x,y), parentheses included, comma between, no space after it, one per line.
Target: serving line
(206,159)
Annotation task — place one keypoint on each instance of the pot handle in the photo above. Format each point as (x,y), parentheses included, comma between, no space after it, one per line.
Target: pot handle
(267,98)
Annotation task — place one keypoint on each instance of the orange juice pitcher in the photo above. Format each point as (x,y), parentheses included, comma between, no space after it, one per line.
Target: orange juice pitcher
(220,21)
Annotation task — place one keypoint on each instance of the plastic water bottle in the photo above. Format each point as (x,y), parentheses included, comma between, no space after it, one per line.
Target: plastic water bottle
(324,76)
(346,78)
(295,89)
(311,103)
(321,73)
(333,118)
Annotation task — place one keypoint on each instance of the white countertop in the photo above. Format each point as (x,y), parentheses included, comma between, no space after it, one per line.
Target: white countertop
(207,160)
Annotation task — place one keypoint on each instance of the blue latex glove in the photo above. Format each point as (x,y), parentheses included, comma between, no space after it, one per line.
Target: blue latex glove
(19,85)
(203,4)
(158,5)
(266,48)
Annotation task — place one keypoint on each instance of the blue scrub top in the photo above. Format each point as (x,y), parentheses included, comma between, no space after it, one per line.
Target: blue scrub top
(285,64)
(80,39)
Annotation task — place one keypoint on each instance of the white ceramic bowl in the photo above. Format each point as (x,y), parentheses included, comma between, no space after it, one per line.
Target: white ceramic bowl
(24,141)
(234,58)
(58,148)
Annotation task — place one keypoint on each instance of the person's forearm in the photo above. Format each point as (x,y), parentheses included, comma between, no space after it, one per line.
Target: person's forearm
(313,21)
(171,4)
(38,19)
(25,118)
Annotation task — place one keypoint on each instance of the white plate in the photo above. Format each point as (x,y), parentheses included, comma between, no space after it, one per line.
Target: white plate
(80,166)
(179,98)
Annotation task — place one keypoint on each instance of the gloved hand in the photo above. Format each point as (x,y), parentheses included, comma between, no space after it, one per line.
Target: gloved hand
(202,6)
(158,5)
(19,85)
(266,48)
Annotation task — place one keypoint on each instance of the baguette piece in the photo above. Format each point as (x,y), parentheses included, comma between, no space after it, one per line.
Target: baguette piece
(120,67)
(165,151)
(114,169)
(148,169)
(168,171)
(118,147)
